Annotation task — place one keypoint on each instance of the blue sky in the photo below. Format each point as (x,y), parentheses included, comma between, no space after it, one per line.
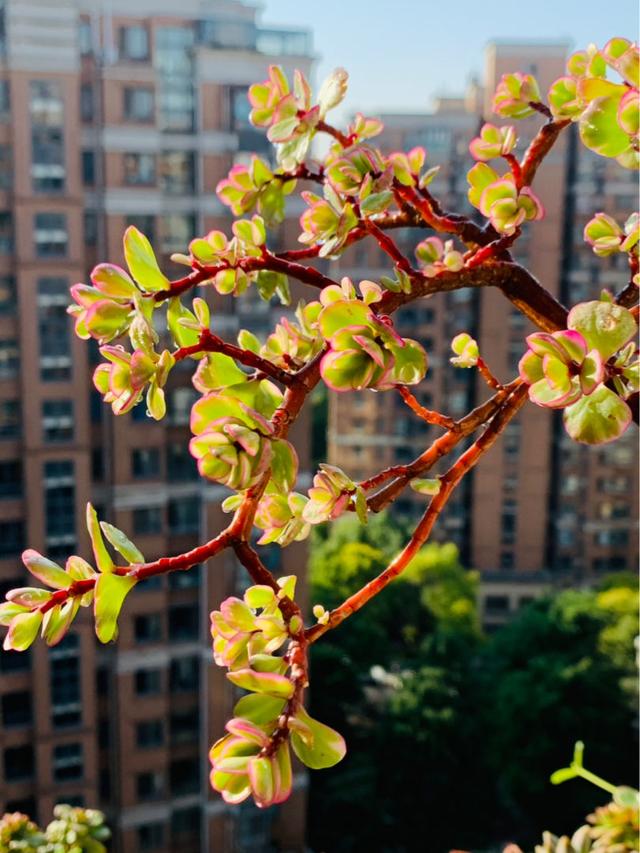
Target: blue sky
(400,54)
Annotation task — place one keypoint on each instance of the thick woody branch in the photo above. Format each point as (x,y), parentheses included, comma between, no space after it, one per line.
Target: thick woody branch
(517,284)
(449,481)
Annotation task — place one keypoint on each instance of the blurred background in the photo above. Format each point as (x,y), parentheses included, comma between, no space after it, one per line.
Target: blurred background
(510,636)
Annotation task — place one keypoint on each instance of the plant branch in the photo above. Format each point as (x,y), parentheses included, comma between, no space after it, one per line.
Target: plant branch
(541,144)
(424,204)
(449,481)
(427,415)
(443,445)
(212,343)
(517,284)
(342,138)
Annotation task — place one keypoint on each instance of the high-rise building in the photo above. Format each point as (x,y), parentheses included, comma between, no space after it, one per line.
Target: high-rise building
(115,113)
(539,508)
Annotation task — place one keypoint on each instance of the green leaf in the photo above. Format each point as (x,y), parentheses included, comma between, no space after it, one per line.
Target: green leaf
(121,543)
(259,708)
(142,262)
(111,591)
(57,621)
(220,371)
(262,682)
(22,631)
(182,335)
(426,486)
(410,362)
(599,128)
(284,465)
(327,749)
(343,313)
(103,558)
(45,570)
(29,596)
(604,325)
(361,506)
(597,419)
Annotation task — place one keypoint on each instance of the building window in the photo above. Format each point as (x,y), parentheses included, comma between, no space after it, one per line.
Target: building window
(148,682)
(496,604)
(181,466)
(88,164)
(87,103)
(57,421)
(5,100)
(184,674)
(239,108)
(179,403)
(177,172)
(149,733)
(508,524)
(46,107)
(138,104)
(16,709)
(147,519)
(506,560)
(184,726)
(184,580)
(184,622)
(85,37)
(59,503)
(184,776)
(11,662)
(90,226)
(19,763)
(65,683)
(67,762)
(8,295)
(51,236)
(9,418)
(150,836)
(11,538)
(139,169)
(176,231)
(611,538)
(145,462)
(6,233)
(184,515)
(6,167)
(53,329)
(134,43)
(149,786)
(9,359)
(10,478)
(148,628)
(185,821)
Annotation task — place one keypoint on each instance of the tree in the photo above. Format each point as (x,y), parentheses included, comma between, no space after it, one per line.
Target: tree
(583,361)
(444,723)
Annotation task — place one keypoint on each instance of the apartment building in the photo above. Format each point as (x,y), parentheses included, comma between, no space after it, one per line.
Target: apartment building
(539,509)
(111,114)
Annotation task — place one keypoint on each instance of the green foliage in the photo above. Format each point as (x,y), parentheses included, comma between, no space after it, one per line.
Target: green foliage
(73,830)
(432,708)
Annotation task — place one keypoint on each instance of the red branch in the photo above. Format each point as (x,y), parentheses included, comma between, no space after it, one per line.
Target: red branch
(467,230)
(540,147)
(212,343)
(449,481)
